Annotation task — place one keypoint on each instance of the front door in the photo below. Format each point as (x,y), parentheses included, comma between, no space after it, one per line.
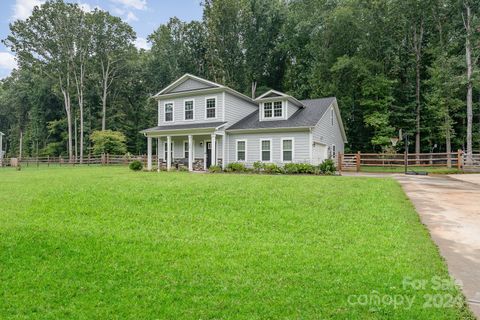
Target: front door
(209,153)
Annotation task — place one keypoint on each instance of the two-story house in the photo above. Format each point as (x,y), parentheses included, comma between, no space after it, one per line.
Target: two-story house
(203,123)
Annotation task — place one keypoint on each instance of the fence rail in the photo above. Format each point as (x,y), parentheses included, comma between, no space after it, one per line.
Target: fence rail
(458,160)
(103,159)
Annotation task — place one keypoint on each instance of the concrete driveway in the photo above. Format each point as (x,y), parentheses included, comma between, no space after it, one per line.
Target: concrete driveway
(450,207)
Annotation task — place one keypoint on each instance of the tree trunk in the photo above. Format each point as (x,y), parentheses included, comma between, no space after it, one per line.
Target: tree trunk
(105,85)
(468,58)
(254,88)
(417,46)
(20,146)
(66,97)
(448,141)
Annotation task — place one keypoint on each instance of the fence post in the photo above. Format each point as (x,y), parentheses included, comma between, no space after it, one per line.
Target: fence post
(340,161)
(459,159)
(358,157)
(108,159)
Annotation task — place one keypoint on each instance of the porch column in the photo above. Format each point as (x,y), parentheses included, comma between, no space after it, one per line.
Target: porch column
(158,153)
(214,150)
(149,153)
(190,152)
(224,152)
(169,153)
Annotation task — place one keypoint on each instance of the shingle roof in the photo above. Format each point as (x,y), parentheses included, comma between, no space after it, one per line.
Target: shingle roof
(303,117)
(204,125)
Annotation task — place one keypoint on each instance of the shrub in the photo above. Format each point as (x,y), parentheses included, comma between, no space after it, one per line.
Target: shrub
(182,169)
(236,167)
(215,169)
(257,166)
(294,168)
(328,167)
(135,165)
(271,168)
(108,141)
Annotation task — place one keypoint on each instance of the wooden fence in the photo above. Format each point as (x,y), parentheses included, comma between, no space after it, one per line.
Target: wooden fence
(103,159)
(457,160)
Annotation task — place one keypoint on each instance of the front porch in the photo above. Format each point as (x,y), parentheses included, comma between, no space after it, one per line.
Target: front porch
(195,150)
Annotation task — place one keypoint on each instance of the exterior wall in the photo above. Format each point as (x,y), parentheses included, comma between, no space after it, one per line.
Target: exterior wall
(325,133)
(190,84)
(301,150)
(199,115)
(237,109)
(291,109)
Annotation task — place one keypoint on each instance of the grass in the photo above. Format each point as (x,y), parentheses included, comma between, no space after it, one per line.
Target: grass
(105,242)
(401,169)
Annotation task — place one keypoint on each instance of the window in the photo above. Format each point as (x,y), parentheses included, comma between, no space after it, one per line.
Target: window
(331,115)
(169,111)
(241,150)
(185,149)
(277,109)
(267,110)
(287,149)
(211,105)
(334,151)
(165,151)
(265,146)
(188,105)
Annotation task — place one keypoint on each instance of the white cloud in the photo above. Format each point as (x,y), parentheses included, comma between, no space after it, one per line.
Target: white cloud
(135,4)
(22,9)
(142,43)
(7,61)
(87,8)
(131,17)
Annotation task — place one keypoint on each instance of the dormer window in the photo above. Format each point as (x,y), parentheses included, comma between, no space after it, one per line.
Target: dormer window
(273,109)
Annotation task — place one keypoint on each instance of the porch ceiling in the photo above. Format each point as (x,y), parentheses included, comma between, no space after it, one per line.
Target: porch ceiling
(191,128)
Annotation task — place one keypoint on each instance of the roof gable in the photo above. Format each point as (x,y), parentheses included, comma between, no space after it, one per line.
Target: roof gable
(188,82)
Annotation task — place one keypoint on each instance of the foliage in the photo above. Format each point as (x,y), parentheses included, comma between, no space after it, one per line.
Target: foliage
(236,167)
(135,165)
(328,167)
(215,169)
(112,142)
(257,166)
(271,168)
(333,235)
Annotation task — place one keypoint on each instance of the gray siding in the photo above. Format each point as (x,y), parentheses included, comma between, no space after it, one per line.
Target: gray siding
(301,146)
(237,109)
(291,109)
(198,109)
(327,134)
(190,84)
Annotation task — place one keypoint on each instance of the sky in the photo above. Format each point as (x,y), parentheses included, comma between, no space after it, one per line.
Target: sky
(143,15)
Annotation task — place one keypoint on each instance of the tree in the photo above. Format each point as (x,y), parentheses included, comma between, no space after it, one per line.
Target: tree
(112,42)
(108,141)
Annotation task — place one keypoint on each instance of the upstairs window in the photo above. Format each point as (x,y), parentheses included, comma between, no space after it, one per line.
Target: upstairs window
(273,109)
(168,111)
(188,104)
(211,106)
(331,116)
(277,109)
(266,146)
(267,110)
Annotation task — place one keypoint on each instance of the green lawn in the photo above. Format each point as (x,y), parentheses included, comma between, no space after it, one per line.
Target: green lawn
(83,243)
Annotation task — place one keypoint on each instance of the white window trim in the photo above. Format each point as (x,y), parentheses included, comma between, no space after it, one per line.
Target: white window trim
(273,117)
(293,149)
(193,109)
(165,113)
(271,148)
(165,150)
(216,107)
(236,150)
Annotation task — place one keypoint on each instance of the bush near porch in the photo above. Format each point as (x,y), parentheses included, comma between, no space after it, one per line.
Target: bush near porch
(105,242)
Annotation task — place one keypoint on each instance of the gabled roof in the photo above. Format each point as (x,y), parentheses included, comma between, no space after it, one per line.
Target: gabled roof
(186,77)
(274,94)
(303,118)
